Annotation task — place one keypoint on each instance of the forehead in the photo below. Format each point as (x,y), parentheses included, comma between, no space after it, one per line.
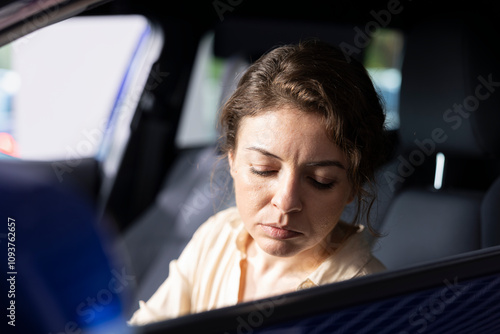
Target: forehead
(289,132)
(281,121)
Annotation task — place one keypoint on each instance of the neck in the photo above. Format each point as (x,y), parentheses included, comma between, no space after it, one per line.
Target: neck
(302,263)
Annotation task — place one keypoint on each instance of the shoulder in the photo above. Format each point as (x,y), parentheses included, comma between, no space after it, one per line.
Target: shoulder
(372,266)
(357,253)
(223,224)
(216,235)
(228,218)
(353,258)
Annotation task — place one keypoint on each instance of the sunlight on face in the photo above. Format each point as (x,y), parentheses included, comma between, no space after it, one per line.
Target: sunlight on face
(290,181)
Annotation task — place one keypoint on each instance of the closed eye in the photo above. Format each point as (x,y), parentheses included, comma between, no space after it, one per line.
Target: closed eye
(314,182)
(261,172)
(321,185)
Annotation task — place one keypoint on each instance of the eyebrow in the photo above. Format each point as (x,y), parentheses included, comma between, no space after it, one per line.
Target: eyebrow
(322,163)
(326,163)
(264,152)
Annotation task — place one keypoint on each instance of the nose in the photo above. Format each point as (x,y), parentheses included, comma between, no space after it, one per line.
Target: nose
(287,197)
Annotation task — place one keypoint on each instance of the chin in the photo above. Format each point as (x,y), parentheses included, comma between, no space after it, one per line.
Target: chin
(278,248)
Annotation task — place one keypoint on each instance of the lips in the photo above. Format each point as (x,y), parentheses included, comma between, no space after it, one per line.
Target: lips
(278,233)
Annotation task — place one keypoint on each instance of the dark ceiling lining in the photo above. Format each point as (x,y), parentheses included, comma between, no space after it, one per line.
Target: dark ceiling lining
(203,13)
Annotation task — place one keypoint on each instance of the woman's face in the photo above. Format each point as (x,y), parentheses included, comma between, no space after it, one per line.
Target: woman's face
(290,180)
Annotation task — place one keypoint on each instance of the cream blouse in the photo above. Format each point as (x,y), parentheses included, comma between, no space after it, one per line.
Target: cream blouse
(208,273)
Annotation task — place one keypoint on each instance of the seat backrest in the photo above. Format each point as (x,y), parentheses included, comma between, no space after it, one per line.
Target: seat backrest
(448,105)
(198,185)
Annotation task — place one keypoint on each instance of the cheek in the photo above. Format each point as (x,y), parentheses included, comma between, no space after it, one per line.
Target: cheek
(327,209)
(250,195)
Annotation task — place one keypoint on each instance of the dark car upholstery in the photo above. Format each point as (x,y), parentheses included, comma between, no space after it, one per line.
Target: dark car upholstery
(448,105)
(197,187)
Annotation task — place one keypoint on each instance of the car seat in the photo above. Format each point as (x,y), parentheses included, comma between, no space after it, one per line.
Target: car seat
(450,144)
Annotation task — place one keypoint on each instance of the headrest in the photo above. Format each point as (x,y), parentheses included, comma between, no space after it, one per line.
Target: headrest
(254,37)
(450,91)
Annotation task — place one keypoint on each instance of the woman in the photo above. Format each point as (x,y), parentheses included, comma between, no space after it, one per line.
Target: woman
(303,134)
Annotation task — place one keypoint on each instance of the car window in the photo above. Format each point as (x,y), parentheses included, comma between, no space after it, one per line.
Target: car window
(58,86)
(383,61)
(213,79)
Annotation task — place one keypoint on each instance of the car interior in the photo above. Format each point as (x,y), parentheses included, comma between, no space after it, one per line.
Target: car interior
(159,175)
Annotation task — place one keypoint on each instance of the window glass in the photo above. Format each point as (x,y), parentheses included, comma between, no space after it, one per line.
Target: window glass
(383,61)
(212,81)
(58,86)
